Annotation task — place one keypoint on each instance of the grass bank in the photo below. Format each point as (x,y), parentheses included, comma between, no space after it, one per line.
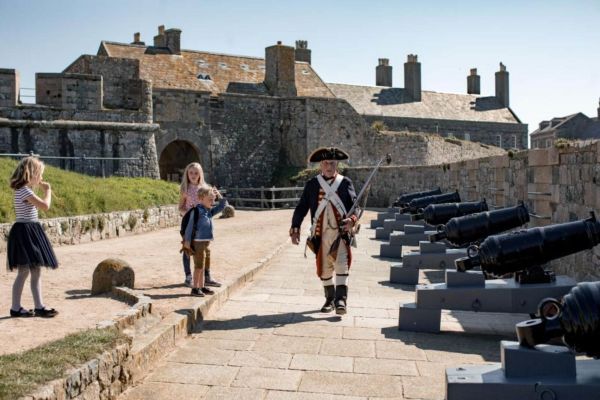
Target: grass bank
(77,194)
(21,373)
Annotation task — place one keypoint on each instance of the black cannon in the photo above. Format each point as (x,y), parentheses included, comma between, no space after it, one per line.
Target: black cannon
(576,319)
(403,200)
(524,252)
(436,214)
(461,231)
(421,202)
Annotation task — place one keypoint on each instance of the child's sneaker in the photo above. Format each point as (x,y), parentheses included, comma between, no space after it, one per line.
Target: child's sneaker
(197,292)
(206,290)
(209,281)
(188,281)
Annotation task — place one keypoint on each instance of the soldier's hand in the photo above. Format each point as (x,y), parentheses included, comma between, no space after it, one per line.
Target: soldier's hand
(347,224)
(295,237)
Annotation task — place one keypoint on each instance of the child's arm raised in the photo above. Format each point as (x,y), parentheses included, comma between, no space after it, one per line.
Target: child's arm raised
(219,207)
(42,204)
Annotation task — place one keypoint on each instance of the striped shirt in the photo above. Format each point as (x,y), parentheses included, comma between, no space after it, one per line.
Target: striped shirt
(25,211)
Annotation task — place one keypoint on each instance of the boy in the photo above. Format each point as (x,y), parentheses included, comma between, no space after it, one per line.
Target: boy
(201,235)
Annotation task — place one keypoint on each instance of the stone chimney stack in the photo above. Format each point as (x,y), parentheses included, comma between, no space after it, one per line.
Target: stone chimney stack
(383,73)
(173,40)
(159,40)
(598,109)
(412,77)
(502,85)
(303,53)
(137,39)
(280,70)
(473,82)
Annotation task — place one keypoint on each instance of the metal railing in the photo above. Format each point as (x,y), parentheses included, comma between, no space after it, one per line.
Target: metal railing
(263,197)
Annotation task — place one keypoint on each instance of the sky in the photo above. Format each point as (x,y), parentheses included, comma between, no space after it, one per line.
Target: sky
(551,48)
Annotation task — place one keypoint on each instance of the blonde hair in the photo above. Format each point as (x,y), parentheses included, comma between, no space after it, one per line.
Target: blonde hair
(205,190)
(185,180)
(28,169)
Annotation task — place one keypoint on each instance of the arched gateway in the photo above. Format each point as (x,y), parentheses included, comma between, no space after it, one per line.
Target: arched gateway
(175,157)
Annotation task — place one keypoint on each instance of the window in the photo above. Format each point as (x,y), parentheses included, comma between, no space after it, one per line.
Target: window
(499,140)
(467,136)
(204,77)
(514,139)
(548,143)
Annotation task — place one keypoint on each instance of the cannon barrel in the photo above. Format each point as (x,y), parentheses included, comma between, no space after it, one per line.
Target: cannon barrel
(517,251)
(576,319)
(403,200)
(436,214)
(415,204)
(468,229)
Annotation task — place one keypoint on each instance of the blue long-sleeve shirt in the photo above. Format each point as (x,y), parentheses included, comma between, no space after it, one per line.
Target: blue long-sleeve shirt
(204,227)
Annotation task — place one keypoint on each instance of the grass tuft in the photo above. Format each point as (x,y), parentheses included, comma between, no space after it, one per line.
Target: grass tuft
(77,194)
(21,373)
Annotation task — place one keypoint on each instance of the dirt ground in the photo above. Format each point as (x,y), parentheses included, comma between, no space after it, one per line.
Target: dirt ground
(239,242)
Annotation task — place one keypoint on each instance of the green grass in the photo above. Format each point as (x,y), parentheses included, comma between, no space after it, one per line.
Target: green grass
(77,194)
(21,373)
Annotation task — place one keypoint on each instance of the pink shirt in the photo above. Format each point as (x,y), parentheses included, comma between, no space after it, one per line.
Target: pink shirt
(191,196)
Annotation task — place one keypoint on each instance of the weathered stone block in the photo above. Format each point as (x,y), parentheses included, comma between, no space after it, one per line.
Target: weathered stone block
(228,212)
(112,272)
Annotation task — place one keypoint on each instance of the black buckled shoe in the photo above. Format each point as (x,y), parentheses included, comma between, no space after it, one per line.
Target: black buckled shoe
(45,312)
(22,313)
(329,298)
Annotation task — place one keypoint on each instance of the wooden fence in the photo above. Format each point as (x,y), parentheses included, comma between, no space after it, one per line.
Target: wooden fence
(263,197)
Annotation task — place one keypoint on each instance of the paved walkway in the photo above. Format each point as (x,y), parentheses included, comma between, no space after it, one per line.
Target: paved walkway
(271,342)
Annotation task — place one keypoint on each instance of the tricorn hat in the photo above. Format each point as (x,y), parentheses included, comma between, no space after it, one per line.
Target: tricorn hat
(328,153)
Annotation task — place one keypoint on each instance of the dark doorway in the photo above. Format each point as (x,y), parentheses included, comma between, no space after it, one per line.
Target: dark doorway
(174,159)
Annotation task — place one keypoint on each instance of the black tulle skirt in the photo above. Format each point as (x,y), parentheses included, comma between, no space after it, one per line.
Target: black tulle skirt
(28,246)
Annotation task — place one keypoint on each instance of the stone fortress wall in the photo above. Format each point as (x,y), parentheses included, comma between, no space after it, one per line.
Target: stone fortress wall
(557,185)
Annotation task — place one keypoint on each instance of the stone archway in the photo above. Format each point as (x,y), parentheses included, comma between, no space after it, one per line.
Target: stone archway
(175,157)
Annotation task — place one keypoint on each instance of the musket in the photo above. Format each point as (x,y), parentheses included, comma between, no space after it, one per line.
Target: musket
(335,245)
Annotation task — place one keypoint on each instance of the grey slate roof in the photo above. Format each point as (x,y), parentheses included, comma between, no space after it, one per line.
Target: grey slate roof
(395,102)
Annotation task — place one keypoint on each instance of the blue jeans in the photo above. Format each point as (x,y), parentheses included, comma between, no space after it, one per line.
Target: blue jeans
(186,265)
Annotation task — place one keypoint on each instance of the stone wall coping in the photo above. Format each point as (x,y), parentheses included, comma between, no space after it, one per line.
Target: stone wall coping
(69,75)
(64,124)
(117,369)
(7,71)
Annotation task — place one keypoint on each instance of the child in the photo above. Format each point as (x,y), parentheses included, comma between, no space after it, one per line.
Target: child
(201,235)
(28,247)
(193,176)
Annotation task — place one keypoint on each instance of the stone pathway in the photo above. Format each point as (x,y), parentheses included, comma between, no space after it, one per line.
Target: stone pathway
(270,341)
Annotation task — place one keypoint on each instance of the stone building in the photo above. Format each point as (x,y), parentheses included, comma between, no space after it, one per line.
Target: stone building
(484,119)
(572,127)
(243,118)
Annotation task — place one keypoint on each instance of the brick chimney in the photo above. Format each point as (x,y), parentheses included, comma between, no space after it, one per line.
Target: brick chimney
(302,51)
(173,40)
(412,77)
(9,87)
(502,85)
(137,39)
(473,82)
(159,40)
(280,70)
(383,73)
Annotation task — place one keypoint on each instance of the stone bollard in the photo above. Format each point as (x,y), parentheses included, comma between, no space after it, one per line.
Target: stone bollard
(112,272)
(228,212)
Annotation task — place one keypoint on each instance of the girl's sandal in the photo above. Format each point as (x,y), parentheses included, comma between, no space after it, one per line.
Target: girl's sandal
(45,312)
(22,313)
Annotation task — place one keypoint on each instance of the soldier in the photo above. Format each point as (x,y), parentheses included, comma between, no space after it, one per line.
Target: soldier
(329,196)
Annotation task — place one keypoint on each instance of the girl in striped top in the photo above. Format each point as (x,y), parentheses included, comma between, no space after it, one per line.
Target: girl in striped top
(28,247)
